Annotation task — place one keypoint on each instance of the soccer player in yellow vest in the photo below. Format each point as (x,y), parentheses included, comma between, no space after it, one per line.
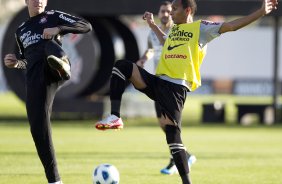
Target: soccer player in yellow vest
(153,52)
(178,72)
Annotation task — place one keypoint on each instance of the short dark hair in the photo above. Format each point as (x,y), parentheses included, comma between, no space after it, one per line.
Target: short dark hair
(190,3)
(165,3)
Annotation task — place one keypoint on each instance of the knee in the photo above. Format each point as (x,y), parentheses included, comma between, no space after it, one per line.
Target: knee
(122,63)
(123,67)
(53,48)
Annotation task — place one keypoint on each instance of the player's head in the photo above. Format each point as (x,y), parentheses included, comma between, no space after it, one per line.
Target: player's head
(183,10)
(164,12)
(36,7)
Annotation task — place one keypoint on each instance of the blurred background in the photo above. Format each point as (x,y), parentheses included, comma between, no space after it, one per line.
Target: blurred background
(241,73)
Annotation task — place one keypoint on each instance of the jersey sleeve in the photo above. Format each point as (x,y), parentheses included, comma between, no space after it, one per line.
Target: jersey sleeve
(208,31)
(71,24)
(22,61)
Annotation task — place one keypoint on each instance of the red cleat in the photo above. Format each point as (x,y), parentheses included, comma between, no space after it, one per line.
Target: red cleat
(110,122)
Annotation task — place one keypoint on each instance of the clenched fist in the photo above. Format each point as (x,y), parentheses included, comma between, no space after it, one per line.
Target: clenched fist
(11,61)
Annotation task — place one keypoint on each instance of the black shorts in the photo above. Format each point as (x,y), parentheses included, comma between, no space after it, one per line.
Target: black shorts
(171,97)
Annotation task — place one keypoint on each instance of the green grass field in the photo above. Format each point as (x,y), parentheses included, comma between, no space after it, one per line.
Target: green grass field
(245,155)
(227,154)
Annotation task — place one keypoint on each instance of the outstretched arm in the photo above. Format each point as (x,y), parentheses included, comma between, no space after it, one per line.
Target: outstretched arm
(267,7)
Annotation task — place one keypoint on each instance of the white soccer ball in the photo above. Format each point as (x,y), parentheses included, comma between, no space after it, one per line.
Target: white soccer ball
(105,174)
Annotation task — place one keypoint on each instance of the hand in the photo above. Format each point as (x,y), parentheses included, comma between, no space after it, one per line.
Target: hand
(10,61)
(149,17)
(140,63)
(269,5)
(49,33)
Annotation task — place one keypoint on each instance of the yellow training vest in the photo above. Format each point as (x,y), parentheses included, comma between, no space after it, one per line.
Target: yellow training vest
(181,55)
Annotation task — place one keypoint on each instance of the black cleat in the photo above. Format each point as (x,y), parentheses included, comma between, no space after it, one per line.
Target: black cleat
(62,65)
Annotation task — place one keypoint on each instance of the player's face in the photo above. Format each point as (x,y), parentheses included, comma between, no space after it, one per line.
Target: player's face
(164,14)
(178,13)
(36,7)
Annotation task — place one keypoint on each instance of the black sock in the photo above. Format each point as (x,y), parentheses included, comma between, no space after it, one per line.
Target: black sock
(178,152)
(186,179)
(187,153)
(115,107)
(117,89)
(120,73)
